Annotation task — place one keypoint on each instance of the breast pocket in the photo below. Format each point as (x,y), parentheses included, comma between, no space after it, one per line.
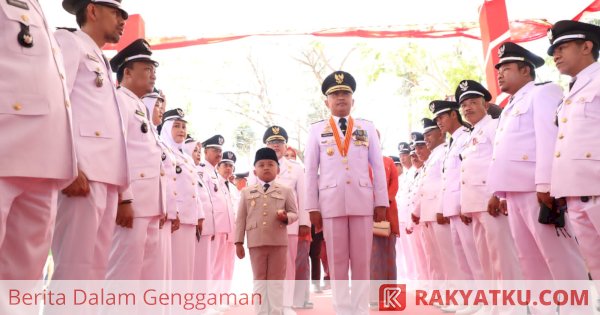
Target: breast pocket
(95,129)
(23,105)
(12,28)
(587,106)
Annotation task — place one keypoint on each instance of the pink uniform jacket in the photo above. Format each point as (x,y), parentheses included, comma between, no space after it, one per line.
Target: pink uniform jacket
(145,164)
(476,157)
(525,139)
(451,173)
(576,158)
(98,129)
(430,187)
(344,189)
(35,111)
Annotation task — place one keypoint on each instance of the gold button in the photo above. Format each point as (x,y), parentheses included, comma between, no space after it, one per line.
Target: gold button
(193,196)
(97,69)
(568,102)
(443,189)
(557,154)
(264,204)
(264,222)
(142,175)
(493,159)
(463,182)
(264,213)
(25,18)
(191,171)
(564,120)
(67,104)
(62,76)
(175,193)
(97,133)
(462,170)
(174,178)
(483,182)
(560,136)
(17,106)
(162,173)
(525,157)
(193,184)
(347,168)
(347,182)
(173,164)
(588,155)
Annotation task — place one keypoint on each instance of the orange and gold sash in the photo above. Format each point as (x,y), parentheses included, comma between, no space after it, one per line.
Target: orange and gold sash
(342,147)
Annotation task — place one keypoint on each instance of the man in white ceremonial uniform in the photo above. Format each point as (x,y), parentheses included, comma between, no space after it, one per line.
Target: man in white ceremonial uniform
(222,210)
(575,169)
(87,208)
(38,155)
(405,259)
(438,249)
(521,168)
(135,252)
(418,152)
(340,195)
(449,120)
(291,174)
(496,251)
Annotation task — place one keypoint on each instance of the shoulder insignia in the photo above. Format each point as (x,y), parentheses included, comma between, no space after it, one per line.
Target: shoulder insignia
(202,164)
(70,29)
(363,119)
(542,83)
(316,122)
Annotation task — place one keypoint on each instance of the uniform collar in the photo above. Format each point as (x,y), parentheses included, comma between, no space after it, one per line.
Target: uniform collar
(482,122)
(337,119)
(522,91)
(587,71)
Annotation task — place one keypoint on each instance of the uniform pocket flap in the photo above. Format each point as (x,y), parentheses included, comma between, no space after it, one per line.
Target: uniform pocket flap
(142,172)
(251,226)
(27,105)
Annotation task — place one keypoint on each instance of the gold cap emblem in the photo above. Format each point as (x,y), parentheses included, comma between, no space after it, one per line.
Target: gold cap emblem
(339,78)
(432,107)
(464,85)
(501,51)
(275,130)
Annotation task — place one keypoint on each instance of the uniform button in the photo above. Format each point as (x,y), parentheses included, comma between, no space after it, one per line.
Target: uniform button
(162,173)
(347,182)
(265,196)
(25,18)
(142,175)
(67,104)
(483,182)
(463,182)
(193,196)
(564,120)
(97,133)
(191,171)
(175,193)
(557,154)
(493,159)
(264,222)
(193,184)
(443,189)
(568,102)
(560,136)
(462,170)
(525,157)
(264,213)
(588,155)
(174,178)
(173,164)
(17,106)
(264,204)
(347,168)
(62,76)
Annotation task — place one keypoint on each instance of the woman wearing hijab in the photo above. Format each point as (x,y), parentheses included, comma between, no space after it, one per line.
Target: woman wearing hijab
(155,104)
(183,247)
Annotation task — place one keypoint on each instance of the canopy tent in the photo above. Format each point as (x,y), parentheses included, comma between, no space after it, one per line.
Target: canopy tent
(175,24)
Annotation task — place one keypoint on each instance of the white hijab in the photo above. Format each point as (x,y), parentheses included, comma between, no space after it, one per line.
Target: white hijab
(167,137)
(189,147)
